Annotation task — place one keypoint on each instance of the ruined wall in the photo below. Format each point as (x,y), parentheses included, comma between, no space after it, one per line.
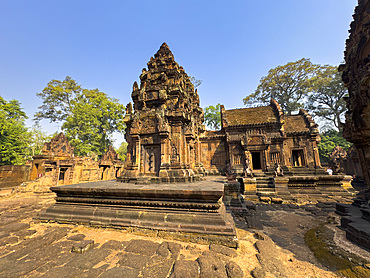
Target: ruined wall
(356,76)
(13,175)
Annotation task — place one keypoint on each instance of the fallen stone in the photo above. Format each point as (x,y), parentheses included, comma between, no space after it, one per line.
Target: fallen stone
(82,246)
(258,272)
(233,270)
(222,250)
(185,269)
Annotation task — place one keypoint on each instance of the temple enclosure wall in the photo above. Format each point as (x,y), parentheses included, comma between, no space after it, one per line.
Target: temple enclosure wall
(14,175)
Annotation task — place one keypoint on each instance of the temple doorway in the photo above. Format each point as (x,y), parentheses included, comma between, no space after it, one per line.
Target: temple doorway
(297,158)
(63,175)
(152,159)
(256,161)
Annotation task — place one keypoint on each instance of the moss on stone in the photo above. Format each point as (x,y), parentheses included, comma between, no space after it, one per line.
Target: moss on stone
(319,240)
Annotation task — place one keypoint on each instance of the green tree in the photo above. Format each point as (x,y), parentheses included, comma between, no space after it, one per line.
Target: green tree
(122,151)
(329,140)
(326,102)
(288,85)
(37,139)
(13,133)
(89,117)
(212,117)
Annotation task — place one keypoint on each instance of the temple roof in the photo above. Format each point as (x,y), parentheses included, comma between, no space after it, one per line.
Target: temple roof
(295,123)
(251,116)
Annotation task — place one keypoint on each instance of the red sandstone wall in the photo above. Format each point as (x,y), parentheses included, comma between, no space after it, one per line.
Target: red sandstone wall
(14,175)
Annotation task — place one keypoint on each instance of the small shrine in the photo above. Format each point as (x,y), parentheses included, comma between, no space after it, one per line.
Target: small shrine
(164,125)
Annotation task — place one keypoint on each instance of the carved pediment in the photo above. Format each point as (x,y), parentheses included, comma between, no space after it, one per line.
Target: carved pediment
(58,146)
(255,140)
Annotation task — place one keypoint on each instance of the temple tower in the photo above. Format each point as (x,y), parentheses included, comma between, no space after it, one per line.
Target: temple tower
(164,124)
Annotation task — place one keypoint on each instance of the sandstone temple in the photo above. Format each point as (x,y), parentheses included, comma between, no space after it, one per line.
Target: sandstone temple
(167,141)
(161,186)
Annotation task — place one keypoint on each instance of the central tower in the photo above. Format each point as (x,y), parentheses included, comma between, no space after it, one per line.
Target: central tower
(164,125)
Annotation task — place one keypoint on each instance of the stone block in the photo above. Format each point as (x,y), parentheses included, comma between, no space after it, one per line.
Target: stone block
(82,246)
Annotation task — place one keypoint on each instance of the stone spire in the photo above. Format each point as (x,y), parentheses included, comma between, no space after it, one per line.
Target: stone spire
(164,51)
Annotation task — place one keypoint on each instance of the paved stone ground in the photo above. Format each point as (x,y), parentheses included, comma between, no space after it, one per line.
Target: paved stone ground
(29,249)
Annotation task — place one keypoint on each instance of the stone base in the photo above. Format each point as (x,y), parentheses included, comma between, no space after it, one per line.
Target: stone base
(356,222)
(194,210)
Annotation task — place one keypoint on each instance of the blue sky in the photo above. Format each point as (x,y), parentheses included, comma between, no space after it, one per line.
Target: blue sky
(229,45)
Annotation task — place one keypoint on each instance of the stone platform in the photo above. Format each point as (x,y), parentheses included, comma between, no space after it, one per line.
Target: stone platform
(356,222)
(190,211)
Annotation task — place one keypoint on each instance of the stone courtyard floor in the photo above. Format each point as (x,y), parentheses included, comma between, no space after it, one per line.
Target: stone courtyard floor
(271,241)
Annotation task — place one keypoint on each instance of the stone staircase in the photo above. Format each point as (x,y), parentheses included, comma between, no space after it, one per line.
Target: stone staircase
(265,186)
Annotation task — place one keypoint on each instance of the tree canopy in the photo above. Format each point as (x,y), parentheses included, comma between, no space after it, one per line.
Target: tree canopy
(89,117)
(212,116)
(288,85)
(36,141)
(329,140)
(302,84)
(13,133)
(326,102)
(122,151)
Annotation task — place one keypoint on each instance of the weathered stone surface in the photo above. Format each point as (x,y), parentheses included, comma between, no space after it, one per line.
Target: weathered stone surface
(171,249)
(158,267)
(62,272)
(143,247)
(222,250)
(94,272)
(133,260)
(185,269)
(119,272)
(114,245)
(77,237)
(258,272)
(14,227)
(233,270)
(267,256)
(89,259)
(211,266)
